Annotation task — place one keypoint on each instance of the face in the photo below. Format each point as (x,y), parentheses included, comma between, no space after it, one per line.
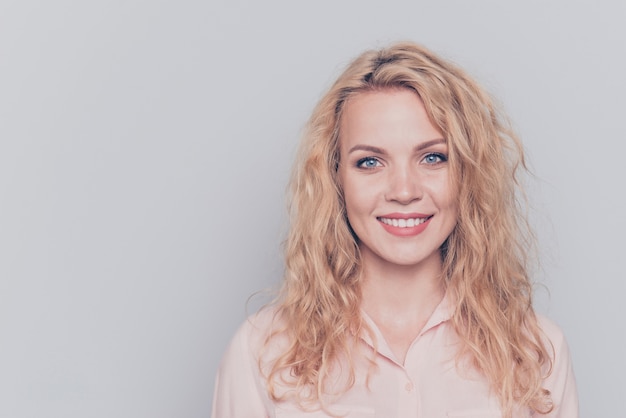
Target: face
(394,172)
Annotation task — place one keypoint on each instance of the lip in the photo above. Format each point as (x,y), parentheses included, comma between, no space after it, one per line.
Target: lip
(398,215)
(405,231)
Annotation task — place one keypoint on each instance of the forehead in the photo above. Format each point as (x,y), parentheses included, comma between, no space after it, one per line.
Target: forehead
(385,116)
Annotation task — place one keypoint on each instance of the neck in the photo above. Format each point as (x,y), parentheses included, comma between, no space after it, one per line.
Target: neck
(397,292)
(400,299)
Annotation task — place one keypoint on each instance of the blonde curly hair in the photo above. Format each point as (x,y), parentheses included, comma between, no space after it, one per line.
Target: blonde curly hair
(485,258)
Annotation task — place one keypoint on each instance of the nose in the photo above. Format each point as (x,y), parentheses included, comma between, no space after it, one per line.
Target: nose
(403,185)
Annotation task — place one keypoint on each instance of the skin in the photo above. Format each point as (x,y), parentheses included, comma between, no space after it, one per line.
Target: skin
(393,165)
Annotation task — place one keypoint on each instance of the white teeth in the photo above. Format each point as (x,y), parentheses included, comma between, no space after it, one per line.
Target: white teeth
(403,223)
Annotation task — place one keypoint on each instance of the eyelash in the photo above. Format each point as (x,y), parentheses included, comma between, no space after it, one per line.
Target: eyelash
(441,158)
(360,163)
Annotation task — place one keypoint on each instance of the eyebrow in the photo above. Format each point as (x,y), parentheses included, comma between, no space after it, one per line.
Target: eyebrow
(370,148)
(420,147)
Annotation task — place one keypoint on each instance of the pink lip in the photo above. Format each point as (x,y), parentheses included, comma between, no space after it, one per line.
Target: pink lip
(398,215)
(406,231)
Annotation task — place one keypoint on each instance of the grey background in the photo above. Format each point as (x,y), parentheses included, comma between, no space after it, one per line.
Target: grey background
(145,148)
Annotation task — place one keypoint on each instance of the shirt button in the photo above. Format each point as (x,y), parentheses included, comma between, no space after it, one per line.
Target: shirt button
(408,387)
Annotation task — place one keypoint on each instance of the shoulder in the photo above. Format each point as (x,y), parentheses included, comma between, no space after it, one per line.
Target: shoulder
(550,328)
(555,338)
(254,332)
(555,343)
(240,389)
(560,379)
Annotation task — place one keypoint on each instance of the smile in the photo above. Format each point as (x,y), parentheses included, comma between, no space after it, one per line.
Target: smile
(403,223)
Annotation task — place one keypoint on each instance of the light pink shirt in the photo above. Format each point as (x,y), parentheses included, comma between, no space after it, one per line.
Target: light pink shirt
(427,385)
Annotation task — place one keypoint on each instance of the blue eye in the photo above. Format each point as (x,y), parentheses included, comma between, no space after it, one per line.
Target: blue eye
(368,162)
(435,158)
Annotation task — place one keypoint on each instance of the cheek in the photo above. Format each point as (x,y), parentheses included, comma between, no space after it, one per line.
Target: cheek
(358,207)
(352,201)
(347,188)
(445,193)
(449,203)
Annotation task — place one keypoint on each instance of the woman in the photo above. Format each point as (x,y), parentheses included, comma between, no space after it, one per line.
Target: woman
(406,292)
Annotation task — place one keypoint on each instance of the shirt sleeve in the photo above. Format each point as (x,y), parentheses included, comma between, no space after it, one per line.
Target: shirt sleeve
(238,389)
(561,382)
